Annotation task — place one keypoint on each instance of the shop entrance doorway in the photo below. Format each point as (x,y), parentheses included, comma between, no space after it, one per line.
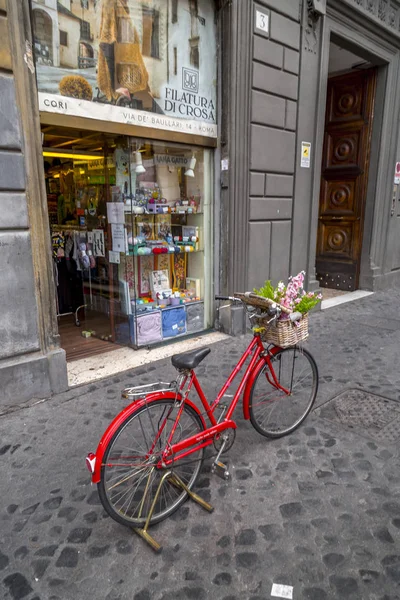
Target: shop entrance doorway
(130,223)
(344,172)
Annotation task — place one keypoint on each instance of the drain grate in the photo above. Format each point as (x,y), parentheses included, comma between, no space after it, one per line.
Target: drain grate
(368,413)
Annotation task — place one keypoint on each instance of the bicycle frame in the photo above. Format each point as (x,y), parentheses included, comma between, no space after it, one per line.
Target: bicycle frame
(260,358)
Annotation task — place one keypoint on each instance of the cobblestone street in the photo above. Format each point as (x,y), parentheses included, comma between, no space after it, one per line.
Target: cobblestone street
(318,510)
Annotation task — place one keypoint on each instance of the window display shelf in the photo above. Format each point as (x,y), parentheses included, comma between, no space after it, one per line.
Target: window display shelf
(166,253)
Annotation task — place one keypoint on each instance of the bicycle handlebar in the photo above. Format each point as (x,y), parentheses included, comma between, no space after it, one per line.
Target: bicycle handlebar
(268,300)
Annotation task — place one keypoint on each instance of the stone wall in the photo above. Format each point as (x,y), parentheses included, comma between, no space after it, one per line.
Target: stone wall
(273,116)
(31,364)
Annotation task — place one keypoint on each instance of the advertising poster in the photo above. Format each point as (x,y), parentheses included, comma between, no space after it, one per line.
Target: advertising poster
(143,62)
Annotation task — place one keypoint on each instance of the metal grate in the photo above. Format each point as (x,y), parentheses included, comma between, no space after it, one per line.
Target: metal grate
(367,413)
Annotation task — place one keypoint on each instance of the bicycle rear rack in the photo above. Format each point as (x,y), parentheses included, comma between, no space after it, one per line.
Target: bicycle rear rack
(141,391)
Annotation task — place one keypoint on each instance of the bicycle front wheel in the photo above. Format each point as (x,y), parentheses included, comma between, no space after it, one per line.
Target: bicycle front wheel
(130,477)
(275,412)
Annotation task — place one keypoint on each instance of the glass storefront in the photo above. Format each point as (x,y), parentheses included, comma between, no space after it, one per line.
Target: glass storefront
(131,223)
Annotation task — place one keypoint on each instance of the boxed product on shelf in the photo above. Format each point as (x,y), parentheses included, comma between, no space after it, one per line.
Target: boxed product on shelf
(149,329)
(145,227)
(158,208)
(195,284)
(195,317)
(173,322)
(159,281)
(163,226)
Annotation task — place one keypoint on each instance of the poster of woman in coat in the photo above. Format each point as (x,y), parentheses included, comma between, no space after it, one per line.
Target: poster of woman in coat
(157,56)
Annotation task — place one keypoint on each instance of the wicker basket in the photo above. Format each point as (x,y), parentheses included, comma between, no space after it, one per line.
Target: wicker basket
(281,333)
(285,333)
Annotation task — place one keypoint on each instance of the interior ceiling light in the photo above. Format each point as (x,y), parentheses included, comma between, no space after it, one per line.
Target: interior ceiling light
(54,153)
(190,171)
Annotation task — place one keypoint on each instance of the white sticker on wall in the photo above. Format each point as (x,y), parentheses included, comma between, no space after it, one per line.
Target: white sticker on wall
(262,21)
(282,591)
(305,154)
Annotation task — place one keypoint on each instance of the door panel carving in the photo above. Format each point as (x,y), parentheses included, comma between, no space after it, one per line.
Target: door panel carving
(338,198)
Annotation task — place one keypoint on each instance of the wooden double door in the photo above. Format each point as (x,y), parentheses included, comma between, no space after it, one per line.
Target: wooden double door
(344,178)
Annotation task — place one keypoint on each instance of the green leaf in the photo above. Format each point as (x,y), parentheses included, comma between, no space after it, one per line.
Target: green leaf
(306,304)
(266,291)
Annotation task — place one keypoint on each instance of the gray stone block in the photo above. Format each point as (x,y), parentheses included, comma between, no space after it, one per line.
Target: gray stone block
(272,150)
(279,185)
(257,183)
(291,8)
(269,209)
(12,171)
(259,254)
(267,110)
(58,374)
(24,378)
(280,250)
(232,320)
(279,83)
(13,211)
(285,31)
(291,115)
(291,61)
(267,52)
(10,136)
(18,315)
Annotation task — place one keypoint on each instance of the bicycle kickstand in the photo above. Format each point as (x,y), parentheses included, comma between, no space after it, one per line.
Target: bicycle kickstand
(177,482)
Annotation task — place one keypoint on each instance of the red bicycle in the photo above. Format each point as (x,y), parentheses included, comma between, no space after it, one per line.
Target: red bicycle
(150,456)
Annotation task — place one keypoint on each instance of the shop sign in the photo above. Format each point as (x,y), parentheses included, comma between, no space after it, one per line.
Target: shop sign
(124,61)
(98,165)
(171,160)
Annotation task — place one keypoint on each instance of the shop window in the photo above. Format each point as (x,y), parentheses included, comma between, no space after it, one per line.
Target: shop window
(170,246)
(174,11)
(131,224)
(194,53)
(151,33)
(63,38)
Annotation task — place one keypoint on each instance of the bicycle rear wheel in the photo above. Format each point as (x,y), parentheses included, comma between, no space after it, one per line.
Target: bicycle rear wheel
(273,412)
(129,476)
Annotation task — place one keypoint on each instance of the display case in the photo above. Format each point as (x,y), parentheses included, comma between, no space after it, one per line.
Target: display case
(165,273)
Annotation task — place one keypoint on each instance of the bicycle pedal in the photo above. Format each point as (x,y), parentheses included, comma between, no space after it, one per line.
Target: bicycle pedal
(218,468)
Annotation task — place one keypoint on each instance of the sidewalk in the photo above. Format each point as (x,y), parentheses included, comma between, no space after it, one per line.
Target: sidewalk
(318,510)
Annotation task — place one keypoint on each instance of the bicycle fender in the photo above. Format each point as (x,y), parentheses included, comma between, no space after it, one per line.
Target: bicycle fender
(120,418)
(250,382)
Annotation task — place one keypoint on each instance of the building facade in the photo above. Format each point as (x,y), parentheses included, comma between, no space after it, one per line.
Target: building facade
(301,174)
